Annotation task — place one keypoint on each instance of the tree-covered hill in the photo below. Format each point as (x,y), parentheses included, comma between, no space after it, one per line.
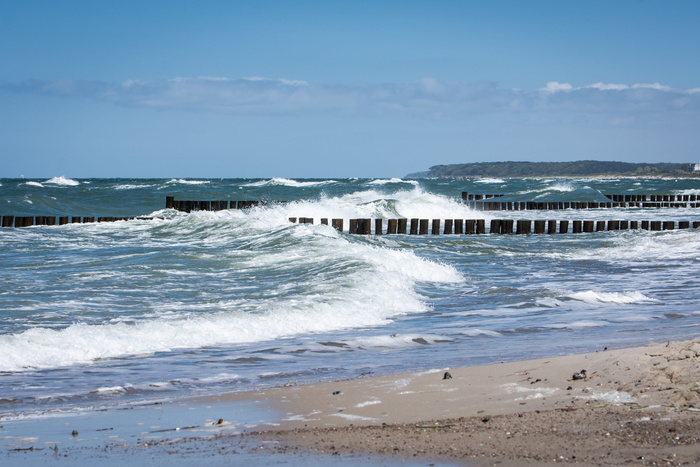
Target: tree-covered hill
(557,169)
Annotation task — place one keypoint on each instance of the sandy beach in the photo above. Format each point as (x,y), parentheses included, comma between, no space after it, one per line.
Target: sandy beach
(637,406)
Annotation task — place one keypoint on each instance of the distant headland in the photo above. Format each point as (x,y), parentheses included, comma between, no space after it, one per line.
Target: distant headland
(560,169)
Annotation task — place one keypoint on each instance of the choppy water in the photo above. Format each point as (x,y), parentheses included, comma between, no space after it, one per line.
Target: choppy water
(112,313)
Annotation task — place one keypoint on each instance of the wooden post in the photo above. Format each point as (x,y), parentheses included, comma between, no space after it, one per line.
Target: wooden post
(563,227)
(414,227)
(669,225)
(353,226)
(337,224)
(655,225)
(480,226)
(459,226)
(392,226)
(401,226)
(169,202)
(495,226)
(423,227)
(683,224)
(293,220)
(613,225)
(8,221)
(324,221)
(551,227)
(63,220)
(600,226)
(588,226)
(470,226)
(436,227)
(523,227)
(449,229)
(507,226)
(378,226)
(539,226)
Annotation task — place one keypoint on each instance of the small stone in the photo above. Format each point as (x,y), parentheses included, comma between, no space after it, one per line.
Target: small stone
(447,375)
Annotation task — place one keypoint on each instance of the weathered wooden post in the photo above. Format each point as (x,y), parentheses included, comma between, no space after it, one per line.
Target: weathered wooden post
(551,227)
(459,226)
(588,226)
(495,226)
(378,226)
(353,226)
(600,226)
(169,202)
(507,226)
(563,227)
(414,227)
(480,226)
(423,227)
(436,227)
(449,229)
(324,221)
(470,226)
(683,225)
(523,227)
(401,226)
(293,220)
(8,221)
(539,226)
(669,225)
(392,226)
(337,224)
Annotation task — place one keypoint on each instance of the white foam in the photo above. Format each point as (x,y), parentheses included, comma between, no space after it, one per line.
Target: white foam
(489,180)
(392,180)
(182,181)
(289,182)
(384,277)
(34,184)
(618,298)
(62,181)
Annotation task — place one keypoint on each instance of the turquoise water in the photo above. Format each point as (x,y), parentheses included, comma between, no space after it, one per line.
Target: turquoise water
(110,314)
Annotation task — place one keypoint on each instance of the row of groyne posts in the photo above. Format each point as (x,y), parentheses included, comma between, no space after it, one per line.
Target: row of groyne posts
(490,202)
(495,226)
(437,226)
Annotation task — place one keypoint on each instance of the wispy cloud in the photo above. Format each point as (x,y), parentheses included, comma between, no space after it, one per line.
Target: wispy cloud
(425,98)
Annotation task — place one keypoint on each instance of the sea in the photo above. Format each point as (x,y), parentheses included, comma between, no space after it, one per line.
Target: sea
(111,314)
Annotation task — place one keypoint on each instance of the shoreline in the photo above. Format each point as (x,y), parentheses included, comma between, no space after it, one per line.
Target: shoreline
(637,405)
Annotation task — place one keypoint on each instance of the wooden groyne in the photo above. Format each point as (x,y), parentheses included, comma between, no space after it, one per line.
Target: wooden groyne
(216,205)
(28,221)
(494,226)
(490,202)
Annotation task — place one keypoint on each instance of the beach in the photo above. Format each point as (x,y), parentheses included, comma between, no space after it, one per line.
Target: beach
(636,406)
(237,334)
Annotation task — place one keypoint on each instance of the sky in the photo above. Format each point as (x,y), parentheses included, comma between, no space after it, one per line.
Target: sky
(331,89)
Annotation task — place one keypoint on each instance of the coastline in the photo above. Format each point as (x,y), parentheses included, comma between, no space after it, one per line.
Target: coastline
(638,406)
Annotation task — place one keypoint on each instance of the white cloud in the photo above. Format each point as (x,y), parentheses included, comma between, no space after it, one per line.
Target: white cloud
(428,97)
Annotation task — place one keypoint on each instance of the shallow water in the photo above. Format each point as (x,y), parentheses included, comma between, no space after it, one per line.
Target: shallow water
(113,314)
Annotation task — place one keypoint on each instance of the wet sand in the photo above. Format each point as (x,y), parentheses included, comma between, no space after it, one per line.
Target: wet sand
(638,406)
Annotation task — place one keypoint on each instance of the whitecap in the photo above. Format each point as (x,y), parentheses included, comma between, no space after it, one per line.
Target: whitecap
(62,181)
(618,298)
(289,182)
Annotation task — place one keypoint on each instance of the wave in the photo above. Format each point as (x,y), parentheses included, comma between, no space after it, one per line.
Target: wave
(617,298)
(489,180)
(62,181)
(392,180)
(37,184)
(325,287)
(289,182)
(182,181)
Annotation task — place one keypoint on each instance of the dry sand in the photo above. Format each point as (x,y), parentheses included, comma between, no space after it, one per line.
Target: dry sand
(637,406)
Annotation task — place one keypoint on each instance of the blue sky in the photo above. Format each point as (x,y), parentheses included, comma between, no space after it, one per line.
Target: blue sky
(342,88)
